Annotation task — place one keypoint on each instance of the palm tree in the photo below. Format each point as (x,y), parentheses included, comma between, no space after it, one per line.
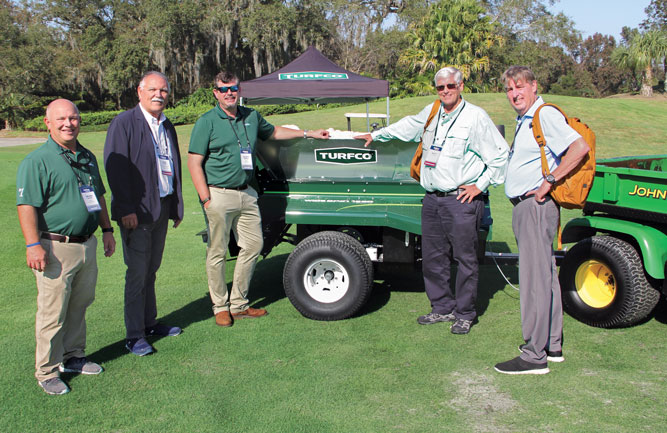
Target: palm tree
(454,33)
(643,50)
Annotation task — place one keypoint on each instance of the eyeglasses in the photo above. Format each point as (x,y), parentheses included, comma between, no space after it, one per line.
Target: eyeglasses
(450,86)
(223,89)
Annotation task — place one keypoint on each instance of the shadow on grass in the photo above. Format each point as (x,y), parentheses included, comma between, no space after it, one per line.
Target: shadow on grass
(260,295)
(196,311)
(409,278)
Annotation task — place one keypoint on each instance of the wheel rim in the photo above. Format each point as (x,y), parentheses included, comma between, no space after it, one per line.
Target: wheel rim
(326,281)
(595,283)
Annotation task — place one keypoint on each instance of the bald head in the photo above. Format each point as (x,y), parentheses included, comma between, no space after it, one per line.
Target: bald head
(63,121)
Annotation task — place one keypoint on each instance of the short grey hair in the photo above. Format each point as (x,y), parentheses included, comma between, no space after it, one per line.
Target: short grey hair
(159,74)
(446,72)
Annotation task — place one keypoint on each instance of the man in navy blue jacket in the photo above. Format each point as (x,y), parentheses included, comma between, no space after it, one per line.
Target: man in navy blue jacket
(143,165)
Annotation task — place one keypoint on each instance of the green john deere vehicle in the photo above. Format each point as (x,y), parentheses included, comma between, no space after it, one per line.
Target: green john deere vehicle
(615,272)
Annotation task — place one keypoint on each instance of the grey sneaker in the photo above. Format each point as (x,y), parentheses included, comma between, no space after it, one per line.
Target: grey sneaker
(431,318)
(555,356)
(54,386)
(461,326)
(80,366)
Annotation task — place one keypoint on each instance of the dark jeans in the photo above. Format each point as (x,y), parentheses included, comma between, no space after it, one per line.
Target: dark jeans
(450,232)
(142,251)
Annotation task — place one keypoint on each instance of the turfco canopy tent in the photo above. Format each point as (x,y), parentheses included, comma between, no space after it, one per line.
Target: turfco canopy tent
(311,78)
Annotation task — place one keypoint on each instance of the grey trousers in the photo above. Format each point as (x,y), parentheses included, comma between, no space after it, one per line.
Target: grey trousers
(142,252)
(535,226)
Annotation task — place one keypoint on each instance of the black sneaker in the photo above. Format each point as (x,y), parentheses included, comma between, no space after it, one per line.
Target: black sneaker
(556,356)
(461,326)
(80,366)
(431,318)
(163,330)
(519,366)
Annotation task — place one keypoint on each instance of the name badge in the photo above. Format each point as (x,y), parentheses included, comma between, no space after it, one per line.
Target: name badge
(165,165)
(432,155)
(246,159)
(90,199)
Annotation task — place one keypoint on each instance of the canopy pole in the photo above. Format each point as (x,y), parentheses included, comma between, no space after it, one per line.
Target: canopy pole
(387,110)
(368,118)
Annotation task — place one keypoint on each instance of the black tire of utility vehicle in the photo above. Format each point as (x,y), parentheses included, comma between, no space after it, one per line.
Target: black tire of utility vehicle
(333,249)
(619,263)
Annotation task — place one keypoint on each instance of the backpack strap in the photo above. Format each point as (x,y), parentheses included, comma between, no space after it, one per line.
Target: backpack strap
(539,137)
(415,165)
(434,110)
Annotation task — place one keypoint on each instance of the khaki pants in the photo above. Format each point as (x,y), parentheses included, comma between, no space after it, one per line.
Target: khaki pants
(64,290)
(238,211)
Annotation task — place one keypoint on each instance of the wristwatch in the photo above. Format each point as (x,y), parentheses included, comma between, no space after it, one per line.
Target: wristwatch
(550,178)
(107,230)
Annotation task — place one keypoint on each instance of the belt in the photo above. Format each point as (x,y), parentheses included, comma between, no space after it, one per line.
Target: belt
(516,200)
(237,188)
(65,239)
(455,192)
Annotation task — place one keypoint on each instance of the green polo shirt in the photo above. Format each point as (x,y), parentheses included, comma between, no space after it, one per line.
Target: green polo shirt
(46,181)
(219,138)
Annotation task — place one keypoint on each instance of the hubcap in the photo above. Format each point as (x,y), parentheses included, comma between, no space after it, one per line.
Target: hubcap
(326,281)
(595,283)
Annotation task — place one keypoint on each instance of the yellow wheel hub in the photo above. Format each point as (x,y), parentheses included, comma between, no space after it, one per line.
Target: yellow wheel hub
(595,283)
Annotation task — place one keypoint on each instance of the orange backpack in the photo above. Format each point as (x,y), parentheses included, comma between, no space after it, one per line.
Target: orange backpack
(416,164)
(571,191)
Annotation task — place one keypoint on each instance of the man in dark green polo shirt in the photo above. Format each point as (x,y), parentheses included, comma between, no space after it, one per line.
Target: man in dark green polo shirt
(222,161)
(60,200)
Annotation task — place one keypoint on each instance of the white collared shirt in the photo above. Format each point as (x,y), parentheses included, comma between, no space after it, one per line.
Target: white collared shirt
(162,145)
(524,172)
(473,151)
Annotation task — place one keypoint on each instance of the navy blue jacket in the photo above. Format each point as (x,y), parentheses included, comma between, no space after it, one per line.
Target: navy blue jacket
(129,159)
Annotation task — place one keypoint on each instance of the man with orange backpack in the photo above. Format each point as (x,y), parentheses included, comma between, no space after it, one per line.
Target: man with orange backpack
(463,153)
(535,219)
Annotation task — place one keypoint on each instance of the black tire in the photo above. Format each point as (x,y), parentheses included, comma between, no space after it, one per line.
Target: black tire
(328,276)
(603,283)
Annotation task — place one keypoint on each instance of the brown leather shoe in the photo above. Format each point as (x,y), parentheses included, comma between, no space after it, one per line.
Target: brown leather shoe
(223,318)
(250,313)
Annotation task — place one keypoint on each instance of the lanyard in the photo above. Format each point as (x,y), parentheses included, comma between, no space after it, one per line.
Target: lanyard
(518,128)
(68,159)
(435,134)
(157,142)
(238,140)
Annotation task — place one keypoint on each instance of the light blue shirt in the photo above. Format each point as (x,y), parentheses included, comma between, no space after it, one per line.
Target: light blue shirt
(524,172)
(473,151)
(162,145)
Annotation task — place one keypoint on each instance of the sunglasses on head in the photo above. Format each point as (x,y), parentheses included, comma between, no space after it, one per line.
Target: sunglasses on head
(223,89)
(450,86)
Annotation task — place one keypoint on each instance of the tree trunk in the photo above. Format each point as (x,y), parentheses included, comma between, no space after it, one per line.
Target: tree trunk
(647,82)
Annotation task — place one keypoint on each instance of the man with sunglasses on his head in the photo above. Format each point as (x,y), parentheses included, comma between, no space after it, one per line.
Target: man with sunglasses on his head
(463,153)
(143,166)
(60,200)
(222,162)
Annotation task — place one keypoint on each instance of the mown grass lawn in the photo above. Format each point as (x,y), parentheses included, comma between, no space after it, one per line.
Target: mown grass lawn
(376,372)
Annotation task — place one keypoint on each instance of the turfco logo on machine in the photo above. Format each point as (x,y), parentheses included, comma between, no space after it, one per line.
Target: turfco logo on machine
(312,75)
(345,155)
